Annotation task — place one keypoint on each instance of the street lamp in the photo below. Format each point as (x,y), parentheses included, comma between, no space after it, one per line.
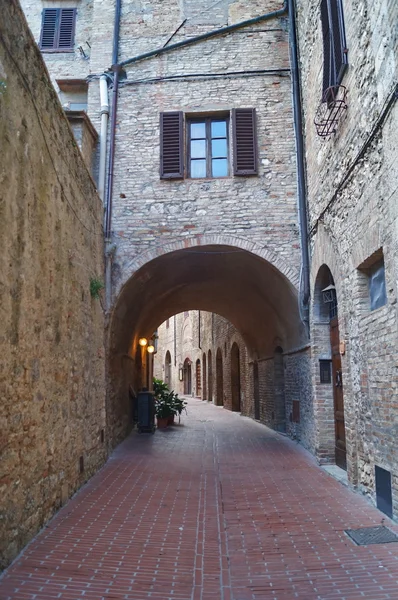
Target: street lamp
(142,341)
(151,349)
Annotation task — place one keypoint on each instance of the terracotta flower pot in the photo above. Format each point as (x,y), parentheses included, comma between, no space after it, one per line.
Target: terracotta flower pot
(162,423)
(170,420)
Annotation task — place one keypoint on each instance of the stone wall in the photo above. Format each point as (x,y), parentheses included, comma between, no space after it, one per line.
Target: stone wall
(52,412)
(352,197)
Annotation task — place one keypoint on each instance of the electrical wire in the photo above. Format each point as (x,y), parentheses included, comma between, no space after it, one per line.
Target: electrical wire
(202,76)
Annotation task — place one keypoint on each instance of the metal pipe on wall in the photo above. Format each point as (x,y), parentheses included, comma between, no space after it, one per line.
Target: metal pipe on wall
(103,134)
(301,184)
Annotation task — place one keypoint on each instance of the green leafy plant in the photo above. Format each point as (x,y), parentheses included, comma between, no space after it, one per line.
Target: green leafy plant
(167,403)
(96,285)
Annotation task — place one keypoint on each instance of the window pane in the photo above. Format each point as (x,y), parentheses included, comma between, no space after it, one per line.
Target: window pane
(219,167)
(198,168)
(198,130)
(219,148)
(377,286)
(218,129)
(198,149)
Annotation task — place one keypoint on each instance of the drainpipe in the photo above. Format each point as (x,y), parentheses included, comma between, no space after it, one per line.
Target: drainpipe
(111,161)
(301,185)
(103,134)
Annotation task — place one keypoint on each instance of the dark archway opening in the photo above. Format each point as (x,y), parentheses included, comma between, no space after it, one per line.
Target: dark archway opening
(198,379)
(167,369)
(235,378)
(329,387)
(187,375)
(219,379)
(256,391)
(210,376)
(204,378)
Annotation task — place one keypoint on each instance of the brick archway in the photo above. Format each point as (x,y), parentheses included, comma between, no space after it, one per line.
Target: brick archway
(235,378)
(246,289)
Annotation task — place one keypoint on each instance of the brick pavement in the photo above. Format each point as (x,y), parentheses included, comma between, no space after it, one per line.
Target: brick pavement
(218,508)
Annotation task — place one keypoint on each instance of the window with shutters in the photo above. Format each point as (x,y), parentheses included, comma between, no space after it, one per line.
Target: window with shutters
(207,152)
(208,148)
(58,29)
(334,46)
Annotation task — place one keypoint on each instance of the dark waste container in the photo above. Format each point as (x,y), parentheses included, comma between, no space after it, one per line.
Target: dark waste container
(145,412)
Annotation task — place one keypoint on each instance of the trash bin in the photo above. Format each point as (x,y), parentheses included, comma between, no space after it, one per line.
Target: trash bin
(146,412)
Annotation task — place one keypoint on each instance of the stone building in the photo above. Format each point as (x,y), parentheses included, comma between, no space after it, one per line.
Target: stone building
(208,208)
(352,179)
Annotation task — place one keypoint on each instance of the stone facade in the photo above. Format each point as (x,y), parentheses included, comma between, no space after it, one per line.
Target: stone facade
(52,410)
(353,208)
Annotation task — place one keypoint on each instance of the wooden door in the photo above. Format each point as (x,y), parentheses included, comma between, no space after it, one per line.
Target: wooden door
(340,444)
(198,379)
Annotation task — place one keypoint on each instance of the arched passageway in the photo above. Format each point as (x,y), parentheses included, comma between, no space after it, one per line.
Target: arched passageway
(245,289)
(235,378)
(198,377)
(329,375)
(187,375)
(204,378)
(167,369)
(219,379)
(210,377)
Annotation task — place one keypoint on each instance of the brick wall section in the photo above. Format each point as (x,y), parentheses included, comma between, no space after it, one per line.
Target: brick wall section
(357,219)
(52,370)
(149,211)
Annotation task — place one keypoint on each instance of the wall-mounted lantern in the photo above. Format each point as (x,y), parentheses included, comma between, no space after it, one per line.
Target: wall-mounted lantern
(142,341)
(151,349)
(329,294)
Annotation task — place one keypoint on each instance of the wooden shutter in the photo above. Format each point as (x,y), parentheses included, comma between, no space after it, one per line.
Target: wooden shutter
(49,28)
(66,34)
(327,50)
(338,39)
(334,44)
(245,141)
(171,145)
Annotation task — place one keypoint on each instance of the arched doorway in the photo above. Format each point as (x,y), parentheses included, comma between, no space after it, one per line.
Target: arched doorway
(167,369)
(198,378)
(219,379)
(329,377)
(256,391)
(204,386)
(210,376)
(279,390)
(235,377)
(187,373)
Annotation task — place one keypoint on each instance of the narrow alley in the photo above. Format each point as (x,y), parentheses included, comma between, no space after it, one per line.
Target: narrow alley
(216,508)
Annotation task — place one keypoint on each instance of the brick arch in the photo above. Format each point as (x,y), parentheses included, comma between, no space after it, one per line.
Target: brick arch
(326,253)
(291,273)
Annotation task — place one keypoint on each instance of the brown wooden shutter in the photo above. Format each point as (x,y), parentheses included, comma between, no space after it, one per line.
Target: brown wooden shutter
(327,56)
(171,145)
(67,21)
(49,28)
(338,40)
(245,141)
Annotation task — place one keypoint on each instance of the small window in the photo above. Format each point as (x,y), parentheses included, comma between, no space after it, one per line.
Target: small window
(208,148)
(325,374)
(377,285)
(207,153)
(58,29)
(334,46)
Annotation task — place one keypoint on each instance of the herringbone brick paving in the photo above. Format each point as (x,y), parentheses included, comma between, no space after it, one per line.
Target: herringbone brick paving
(218,508)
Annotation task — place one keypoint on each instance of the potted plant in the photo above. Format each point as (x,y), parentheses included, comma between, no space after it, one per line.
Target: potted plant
(179,405)
(164,403)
